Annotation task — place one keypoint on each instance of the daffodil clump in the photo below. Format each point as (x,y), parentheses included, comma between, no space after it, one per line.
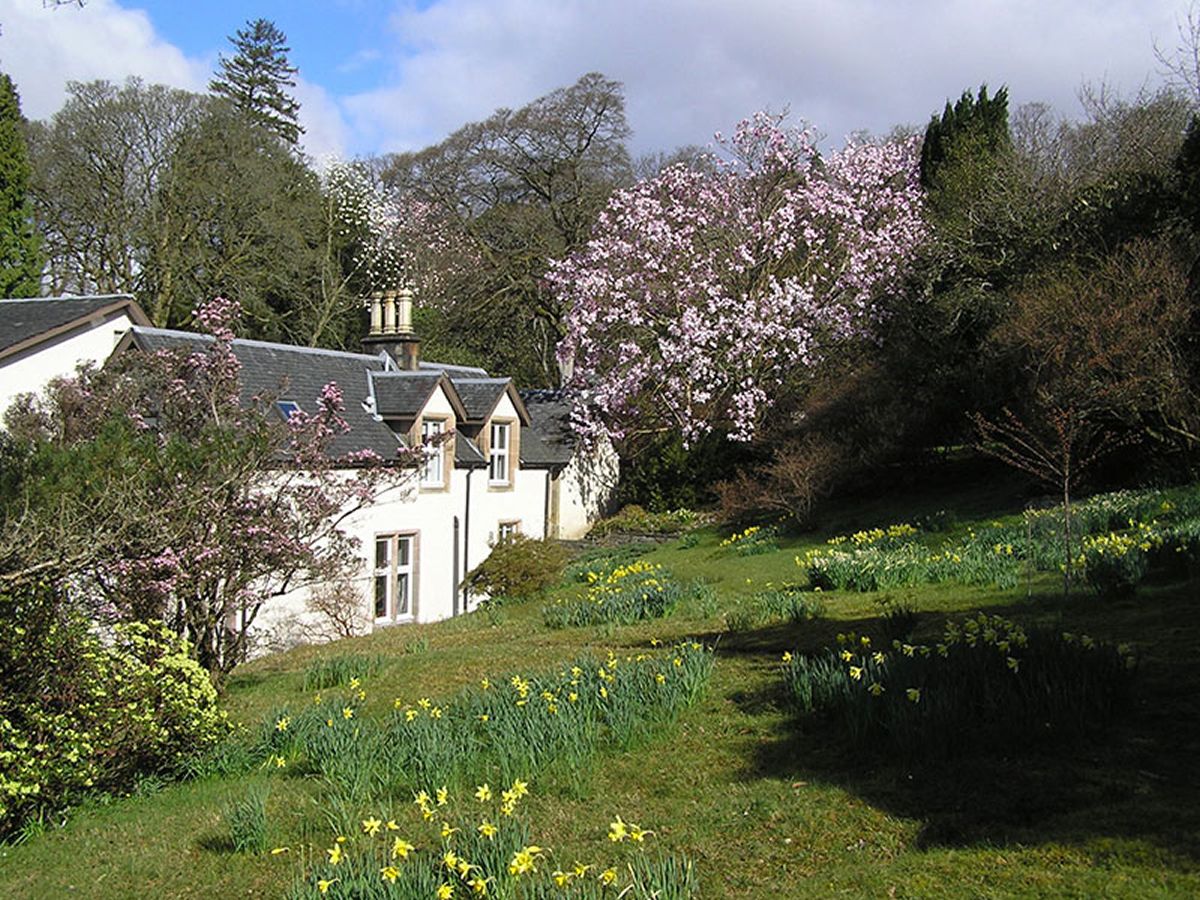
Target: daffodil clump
(875,566)
(627,593)
(633,519)
(988,683)
(443,846)
(544,723)
(1115,563)
(752,541)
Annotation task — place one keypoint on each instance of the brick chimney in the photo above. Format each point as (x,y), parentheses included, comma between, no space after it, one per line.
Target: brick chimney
(392,329)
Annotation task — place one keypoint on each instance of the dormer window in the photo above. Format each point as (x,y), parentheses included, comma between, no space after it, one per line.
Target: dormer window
(499,453)
(433,473)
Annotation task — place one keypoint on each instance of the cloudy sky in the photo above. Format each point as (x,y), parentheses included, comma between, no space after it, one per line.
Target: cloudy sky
(380,75)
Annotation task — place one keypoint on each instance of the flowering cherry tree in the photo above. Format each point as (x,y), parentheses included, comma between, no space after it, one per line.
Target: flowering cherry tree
(198,505)
(703,294)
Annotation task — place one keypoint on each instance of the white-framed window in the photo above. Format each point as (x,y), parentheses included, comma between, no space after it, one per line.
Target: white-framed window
(433,474)
(394,570)
(505,530)
(498,453)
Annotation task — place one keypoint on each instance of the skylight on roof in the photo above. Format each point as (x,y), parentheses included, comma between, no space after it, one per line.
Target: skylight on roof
(287,407)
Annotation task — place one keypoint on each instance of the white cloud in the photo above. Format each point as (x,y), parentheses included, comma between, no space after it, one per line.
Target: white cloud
(43,49)
(691,67)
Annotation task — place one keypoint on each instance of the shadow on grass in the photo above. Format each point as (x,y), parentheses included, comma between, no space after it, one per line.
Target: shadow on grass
(1119,789)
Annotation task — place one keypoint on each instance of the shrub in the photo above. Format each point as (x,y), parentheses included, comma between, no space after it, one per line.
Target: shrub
(518,567)
(634,519)
(988,684)
(81,714)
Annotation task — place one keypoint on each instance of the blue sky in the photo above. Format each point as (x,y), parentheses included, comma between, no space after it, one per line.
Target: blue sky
(383,75)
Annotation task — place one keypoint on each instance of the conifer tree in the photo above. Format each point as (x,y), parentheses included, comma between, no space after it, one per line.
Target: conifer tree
(20,246)
(972,125)
(256,79)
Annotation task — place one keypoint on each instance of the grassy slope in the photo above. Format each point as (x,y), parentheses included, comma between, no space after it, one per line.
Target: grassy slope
(766,808)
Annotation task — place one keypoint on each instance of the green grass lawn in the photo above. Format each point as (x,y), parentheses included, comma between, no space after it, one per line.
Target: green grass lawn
(767,805)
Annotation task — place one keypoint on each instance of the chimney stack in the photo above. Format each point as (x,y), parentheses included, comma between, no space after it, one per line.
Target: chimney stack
(392,329)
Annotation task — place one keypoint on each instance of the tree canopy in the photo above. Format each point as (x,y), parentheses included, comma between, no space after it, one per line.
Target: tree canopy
(257,77)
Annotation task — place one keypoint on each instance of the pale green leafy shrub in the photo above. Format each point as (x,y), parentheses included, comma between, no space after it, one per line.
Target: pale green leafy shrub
(83,714)
(519,567)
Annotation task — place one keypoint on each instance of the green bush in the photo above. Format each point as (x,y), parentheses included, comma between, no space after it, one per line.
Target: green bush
(634,519)
(519,567)
(81,714)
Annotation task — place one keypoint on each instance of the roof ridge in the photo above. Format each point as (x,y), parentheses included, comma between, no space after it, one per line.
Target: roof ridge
(67,298)
(250,342)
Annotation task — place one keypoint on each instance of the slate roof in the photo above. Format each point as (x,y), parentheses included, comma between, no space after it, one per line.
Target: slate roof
(402,394)
(372,385)
(548,441)
(298,373)
(480,395)
(22,320)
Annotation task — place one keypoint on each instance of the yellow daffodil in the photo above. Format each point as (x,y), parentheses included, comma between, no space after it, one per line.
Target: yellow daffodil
(445,892)
(479,885)
(335,854)
(561,878)
(579,869)
(787,656)
(371,826)
(324,884)
(443,794)
(856,672)
(355,684)
(913,694)
(421,798)
(1014,664)
(487,829)
(410,714)
(347,712)
(447,830)
(276,851)
(389,873)
(876,689)
(483,793)
(608,876)
(847,656)
(424,703)
(282,723)
(485,684)
(401,848)
(617,830)
(450,860)
(391,825)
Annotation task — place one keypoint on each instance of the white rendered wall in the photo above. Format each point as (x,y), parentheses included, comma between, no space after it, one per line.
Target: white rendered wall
(584,489)
(30,371)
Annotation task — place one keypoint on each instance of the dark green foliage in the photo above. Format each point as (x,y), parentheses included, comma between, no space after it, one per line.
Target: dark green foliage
(972,125)
(255,79)
(241,217)
(518,567)
(665,475)
(20,246)
(988,685)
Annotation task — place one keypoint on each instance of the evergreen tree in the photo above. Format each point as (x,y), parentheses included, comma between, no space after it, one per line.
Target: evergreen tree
(983,122)
(20,246)
(256,79)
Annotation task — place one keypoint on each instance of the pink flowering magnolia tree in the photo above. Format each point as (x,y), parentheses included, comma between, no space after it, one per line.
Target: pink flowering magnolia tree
(704,295)
(200,504)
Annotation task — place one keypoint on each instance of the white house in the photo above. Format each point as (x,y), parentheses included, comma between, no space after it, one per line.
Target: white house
(501,470)
(42,339)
